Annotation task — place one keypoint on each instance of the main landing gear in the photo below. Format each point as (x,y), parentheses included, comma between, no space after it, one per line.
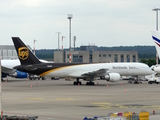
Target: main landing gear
(90,83)
(77,82)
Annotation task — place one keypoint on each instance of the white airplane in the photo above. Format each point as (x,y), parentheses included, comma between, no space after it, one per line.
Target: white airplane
(156,39)
(110,71)
(8,69)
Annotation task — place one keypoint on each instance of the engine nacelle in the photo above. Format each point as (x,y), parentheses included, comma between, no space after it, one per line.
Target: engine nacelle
(112,77)
(19,74)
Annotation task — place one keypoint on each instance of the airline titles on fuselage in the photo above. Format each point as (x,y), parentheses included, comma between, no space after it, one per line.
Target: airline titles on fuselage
(123,67)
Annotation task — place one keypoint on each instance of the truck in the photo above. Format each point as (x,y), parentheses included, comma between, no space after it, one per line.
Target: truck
(154,79)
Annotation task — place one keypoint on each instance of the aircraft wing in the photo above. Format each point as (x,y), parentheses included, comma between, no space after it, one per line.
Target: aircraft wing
(8,70)
(96,73)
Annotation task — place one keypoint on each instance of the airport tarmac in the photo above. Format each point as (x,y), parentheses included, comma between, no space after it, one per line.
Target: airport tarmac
(61,100)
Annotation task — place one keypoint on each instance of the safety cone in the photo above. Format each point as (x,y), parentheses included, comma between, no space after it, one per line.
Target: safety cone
(107,85)
(1,113)
(154,112)
(31,86)
(125,90)
(78,84)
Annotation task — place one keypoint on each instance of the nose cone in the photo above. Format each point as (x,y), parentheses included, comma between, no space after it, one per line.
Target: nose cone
(147,71)
(150,71)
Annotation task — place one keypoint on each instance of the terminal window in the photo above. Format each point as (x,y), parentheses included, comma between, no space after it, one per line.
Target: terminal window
(67,55)
(128,58)
(104,55)
(109,55)
(134,58)
(115,58)
(122,58)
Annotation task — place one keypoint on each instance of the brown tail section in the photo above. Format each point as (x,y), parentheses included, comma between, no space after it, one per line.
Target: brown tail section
(25,55)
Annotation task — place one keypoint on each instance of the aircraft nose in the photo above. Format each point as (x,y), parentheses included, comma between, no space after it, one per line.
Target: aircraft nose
(152,70)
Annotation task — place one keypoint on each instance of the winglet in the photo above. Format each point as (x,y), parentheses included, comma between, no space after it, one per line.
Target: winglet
(25,55)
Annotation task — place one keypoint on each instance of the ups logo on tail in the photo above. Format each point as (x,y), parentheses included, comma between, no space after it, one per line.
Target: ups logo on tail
(23,53)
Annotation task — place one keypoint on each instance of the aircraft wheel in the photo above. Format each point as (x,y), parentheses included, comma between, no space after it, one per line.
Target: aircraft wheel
(75,83)
(92,83)
(79,83)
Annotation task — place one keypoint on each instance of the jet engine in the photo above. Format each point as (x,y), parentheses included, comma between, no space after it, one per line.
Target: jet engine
(112,77)
(19,74)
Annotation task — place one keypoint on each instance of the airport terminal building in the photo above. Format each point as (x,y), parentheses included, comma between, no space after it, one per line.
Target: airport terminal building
(90,54)
(8,52)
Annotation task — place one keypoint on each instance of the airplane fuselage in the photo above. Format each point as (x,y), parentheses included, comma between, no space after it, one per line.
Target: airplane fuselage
(77,69)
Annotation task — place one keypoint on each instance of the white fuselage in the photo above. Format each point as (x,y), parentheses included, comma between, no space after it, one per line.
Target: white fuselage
(124,69)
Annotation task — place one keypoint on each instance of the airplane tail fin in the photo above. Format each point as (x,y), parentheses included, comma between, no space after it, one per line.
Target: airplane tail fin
(24,53)
(156,39)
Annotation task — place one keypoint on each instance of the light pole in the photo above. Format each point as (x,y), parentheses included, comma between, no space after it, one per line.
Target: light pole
(58,39)
(156,9)
(34,45)
(70,16)
(62,41)
(0,91)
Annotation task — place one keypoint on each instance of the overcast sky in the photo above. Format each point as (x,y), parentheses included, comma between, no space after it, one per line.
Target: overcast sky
(95,22)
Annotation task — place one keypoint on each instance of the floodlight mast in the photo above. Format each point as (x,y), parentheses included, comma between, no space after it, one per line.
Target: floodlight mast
(70,16)
(58,38)
(0,91)
(34,46)
(156,9)
(62,41)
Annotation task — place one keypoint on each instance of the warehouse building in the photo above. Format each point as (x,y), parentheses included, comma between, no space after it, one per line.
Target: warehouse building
(90,54)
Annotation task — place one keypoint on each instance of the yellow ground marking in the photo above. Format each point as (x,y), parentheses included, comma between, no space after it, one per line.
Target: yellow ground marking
(64,99)
(101,103)
(106,105)
(35,98)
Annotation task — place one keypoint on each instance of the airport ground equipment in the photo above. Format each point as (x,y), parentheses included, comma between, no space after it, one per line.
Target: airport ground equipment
(143,115)
(34,77)
(5,117)
(106,118)
(154,79)
(135,81)
(54,78)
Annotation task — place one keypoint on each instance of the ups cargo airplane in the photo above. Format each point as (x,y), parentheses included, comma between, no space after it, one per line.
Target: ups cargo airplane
(109,71)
